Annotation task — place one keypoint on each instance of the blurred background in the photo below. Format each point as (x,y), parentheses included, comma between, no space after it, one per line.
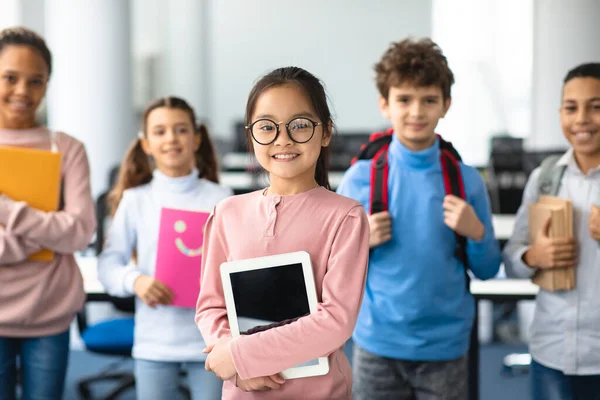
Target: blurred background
(112,57)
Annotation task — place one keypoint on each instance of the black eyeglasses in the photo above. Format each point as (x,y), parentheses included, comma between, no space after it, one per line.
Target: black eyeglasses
(300,130)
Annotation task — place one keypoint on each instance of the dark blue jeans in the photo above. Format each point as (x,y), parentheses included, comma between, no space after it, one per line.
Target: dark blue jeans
(551,384)
(43,366)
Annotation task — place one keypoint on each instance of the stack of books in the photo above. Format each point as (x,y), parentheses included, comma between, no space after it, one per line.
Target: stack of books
(560,212)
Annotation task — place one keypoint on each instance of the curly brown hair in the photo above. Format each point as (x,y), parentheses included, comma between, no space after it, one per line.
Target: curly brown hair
(419,62)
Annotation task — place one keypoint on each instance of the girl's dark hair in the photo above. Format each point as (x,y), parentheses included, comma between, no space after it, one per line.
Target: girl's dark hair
(20,36)
(588,70)
(136,169)
(318,99)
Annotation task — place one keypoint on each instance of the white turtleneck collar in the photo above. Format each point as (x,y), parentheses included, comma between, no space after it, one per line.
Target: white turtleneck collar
(181,184)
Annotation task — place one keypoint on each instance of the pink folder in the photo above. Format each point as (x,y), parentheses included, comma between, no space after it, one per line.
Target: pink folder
(179,254)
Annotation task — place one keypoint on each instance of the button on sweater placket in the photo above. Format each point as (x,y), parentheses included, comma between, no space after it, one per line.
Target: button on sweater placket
(270,228)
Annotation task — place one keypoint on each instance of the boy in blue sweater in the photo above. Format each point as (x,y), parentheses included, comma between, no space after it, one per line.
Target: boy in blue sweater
(412,334)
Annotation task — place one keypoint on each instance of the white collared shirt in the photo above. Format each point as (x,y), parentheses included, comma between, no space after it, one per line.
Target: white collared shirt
(565,333)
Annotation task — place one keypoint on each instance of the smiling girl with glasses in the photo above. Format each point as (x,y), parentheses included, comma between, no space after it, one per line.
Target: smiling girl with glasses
(289,128)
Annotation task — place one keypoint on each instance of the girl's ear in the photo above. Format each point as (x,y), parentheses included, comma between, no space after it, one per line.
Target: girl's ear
(145,146)
(197,141)
(327,134)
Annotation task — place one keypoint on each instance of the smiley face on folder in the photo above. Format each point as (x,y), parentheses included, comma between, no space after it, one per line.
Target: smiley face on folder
(179,253)
(180,227)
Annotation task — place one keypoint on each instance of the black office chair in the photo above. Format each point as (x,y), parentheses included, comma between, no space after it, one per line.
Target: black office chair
(110,337)
(345,146)
(506,180)
(505,174)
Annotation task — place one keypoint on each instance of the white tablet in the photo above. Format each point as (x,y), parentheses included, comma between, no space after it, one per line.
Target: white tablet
(270,290)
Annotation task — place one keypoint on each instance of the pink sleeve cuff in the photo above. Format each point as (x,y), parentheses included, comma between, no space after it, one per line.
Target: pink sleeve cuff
(237,359)
(6,206)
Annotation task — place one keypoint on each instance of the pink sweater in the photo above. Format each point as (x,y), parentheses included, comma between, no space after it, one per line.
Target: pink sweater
(334,230)
(40,298)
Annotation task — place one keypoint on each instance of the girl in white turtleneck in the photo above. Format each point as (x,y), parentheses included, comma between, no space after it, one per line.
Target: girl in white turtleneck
(185,177)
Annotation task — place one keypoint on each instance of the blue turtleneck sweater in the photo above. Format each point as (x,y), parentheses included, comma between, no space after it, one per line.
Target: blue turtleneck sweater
(163,333)
(415,305)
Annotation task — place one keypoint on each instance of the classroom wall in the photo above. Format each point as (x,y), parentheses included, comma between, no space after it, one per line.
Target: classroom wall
(234,42)
(491,59)
(338,40)
(565,35)
(211,51)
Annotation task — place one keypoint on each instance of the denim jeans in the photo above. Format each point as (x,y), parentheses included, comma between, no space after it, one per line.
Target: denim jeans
(160,380)
(551,384)
(43,366)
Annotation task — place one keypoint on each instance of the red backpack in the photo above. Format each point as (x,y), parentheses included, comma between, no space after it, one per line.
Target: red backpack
(376,150)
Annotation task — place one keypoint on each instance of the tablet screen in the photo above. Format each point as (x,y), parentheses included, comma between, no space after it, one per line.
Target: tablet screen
(269,295)
(274,293)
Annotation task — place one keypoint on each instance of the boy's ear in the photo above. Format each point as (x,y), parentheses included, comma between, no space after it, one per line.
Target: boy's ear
(384,107)
(447,104)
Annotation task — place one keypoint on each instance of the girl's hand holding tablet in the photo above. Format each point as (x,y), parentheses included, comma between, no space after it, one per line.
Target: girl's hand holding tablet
(219,359)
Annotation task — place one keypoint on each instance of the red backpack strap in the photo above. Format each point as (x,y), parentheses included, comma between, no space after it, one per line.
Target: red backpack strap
(450,159)
(377,151)
(453,184)
(378,200)
(377,140)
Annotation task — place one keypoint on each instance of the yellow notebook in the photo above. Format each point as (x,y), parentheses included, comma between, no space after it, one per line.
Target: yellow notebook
(32,176)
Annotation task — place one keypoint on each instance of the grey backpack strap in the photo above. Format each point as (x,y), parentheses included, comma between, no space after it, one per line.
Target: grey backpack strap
(550,176)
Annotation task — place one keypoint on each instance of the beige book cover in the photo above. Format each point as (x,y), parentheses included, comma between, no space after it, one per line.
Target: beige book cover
(568,207)
(561,213)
